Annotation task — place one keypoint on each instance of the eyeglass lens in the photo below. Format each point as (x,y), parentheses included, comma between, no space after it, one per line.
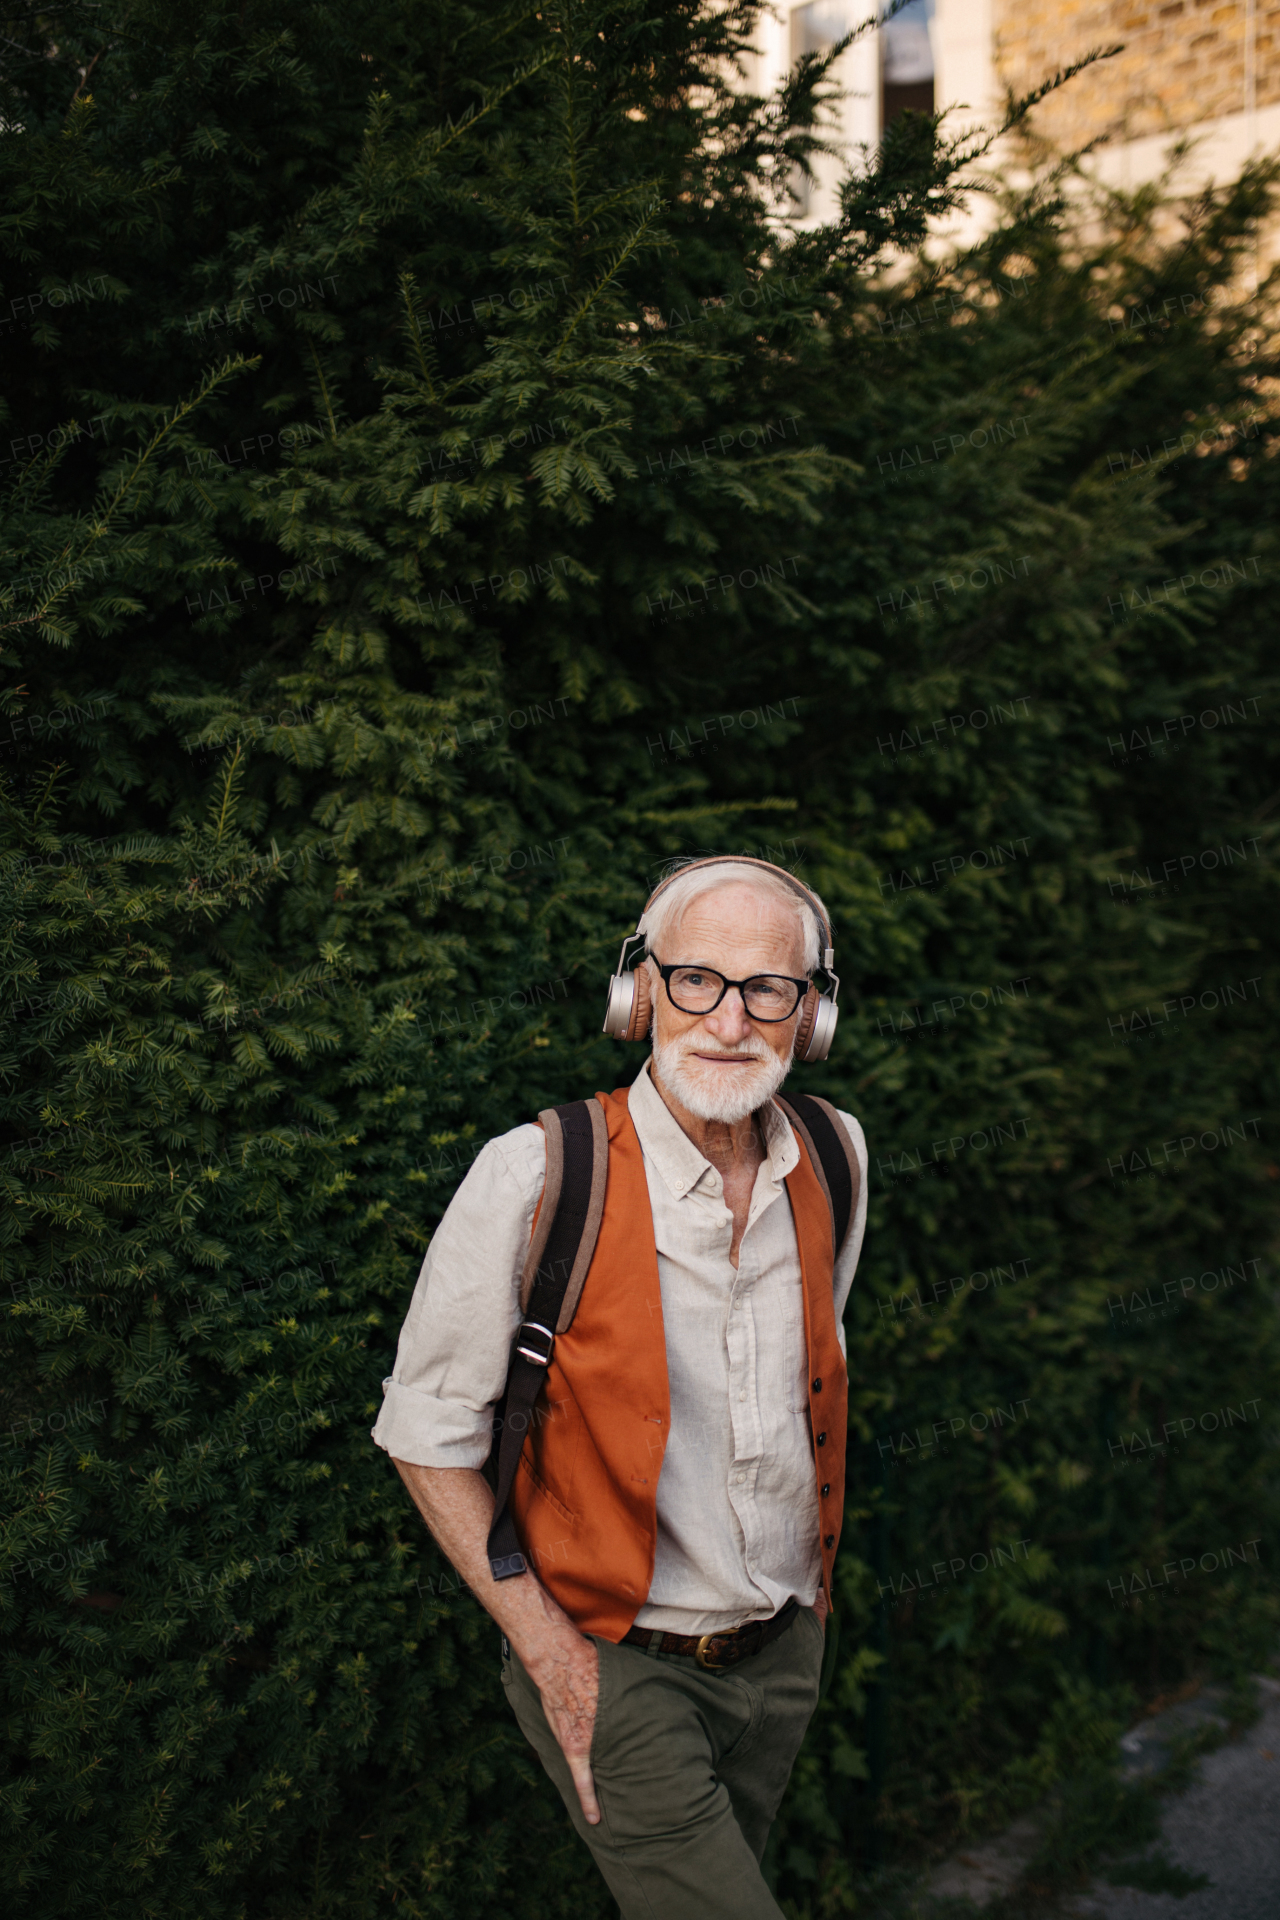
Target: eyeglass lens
(767,996)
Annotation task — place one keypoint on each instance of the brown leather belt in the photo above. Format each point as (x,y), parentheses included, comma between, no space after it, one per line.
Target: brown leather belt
(716,1651)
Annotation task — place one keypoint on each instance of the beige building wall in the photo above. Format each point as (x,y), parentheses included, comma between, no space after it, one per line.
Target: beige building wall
(1208,69)
(1203,71)
(1184,63)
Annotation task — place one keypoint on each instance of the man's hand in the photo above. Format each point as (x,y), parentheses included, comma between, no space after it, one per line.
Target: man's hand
(566,1672)
(563,1664)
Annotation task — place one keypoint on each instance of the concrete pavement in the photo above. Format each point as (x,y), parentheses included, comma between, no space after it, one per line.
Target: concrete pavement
(1226,1825)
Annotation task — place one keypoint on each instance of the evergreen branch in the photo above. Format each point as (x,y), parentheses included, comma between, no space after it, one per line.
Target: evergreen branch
(491,99)
(610,274)
(423,352)
(115,506)
(87,75)
(1018,110)
(217,378)
(227,808)
(324,391)
(571,146)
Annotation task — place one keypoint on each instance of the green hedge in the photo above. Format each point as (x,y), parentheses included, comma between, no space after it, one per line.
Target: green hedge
(367,653)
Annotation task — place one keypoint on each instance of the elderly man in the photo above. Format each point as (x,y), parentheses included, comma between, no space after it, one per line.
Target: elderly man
(663,1651)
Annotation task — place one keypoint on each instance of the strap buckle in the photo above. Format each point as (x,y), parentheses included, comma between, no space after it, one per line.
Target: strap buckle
(700,1654)
(527,1332)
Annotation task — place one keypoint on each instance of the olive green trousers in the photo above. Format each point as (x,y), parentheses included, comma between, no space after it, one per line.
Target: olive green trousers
(690,1768)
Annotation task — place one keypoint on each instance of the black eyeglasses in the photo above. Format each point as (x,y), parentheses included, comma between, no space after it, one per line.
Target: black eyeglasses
(769,997)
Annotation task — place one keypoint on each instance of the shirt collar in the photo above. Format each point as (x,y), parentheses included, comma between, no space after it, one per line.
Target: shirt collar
(673,1153)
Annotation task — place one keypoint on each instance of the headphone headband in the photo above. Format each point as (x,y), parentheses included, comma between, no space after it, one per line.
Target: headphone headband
(741,860)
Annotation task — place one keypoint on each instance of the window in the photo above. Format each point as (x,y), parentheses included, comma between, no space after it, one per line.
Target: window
(907,62)
(818,26)
(815,29)
(883,74)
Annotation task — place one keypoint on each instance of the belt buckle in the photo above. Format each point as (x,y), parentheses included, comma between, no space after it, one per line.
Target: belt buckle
(700,1654)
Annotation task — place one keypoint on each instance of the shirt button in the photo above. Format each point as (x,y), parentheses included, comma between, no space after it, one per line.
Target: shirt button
(742,1396)
(679,1186)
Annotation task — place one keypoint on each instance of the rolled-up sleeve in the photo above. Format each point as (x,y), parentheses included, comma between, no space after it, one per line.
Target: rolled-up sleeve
(451,1364)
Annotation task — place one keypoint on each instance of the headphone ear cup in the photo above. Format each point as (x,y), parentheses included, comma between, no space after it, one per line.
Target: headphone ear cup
(619,1005)
(804,1032)
(817,1027)
(641,1005)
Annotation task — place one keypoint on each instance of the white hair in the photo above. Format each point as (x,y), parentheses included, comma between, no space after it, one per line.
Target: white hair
(670,905)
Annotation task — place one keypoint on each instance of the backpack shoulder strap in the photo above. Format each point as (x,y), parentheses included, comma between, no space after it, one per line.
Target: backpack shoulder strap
(566,1228)
(832,1156)
(567,1223)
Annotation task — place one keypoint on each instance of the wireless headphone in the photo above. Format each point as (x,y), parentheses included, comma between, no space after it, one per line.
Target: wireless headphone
(629,1006)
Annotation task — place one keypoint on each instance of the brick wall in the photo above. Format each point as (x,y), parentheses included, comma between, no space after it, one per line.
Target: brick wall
(1184,62)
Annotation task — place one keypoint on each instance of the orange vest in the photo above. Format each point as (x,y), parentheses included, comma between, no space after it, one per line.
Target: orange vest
(585,1500)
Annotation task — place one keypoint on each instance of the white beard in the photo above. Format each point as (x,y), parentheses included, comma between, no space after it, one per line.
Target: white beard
(719,1093)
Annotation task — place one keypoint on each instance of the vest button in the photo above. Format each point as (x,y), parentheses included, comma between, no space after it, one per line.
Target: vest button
(830,1540)
(822,1439)
(827,1488)
(817,1386)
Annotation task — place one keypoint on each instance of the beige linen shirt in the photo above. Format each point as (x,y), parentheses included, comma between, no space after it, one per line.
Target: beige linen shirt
(737,1504)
